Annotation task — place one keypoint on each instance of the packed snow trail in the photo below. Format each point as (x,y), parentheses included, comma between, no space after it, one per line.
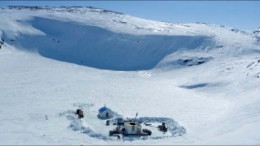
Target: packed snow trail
(84,125)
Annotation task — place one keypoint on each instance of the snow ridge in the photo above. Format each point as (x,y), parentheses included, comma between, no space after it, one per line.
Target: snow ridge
(127,43)
(71,9)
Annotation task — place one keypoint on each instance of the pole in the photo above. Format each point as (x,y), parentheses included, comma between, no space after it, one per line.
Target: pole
(136,116)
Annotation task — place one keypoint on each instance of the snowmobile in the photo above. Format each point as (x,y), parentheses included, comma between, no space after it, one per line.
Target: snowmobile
(80,113)
(162,127)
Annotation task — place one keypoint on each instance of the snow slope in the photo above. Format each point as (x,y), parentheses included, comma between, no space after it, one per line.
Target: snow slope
(206,77)
(70,39)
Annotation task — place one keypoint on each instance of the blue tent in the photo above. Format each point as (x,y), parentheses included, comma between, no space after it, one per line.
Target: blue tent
(103,109)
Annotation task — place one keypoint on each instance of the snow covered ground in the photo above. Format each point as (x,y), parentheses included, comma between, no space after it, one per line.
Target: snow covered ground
(206,77)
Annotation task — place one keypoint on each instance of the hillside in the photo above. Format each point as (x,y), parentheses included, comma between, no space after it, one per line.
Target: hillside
(203,78)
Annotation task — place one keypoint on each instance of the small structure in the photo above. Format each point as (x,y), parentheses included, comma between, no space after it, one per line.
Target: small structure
(132,128)
(105,113)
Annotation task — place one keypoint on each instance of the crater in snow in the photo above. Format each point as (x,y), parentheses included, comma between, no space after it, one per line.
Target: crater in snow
(100,48)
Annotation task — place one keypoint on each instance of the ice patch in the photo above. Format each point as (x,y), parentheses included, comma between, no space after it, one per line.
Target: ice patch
(184,61)
(191,61)
(199,85)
